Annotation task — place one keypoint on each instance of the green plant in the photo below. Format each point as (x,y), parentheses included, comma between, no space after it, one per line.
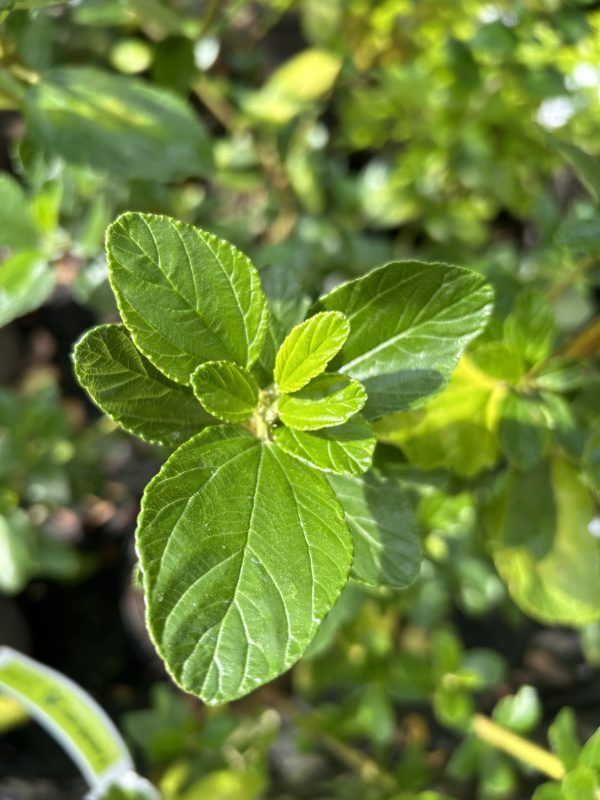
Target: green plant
(243,543)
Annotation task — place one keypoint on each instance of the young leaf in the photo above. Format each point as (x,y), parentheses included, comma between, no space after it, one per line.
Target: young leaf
(244,550)
(329,399)
(125,385)
(118,124)
(409,324)
(538,527)
(225,390)
(344,449)
(26,281)
(186,296)
(308,348)
(387,547)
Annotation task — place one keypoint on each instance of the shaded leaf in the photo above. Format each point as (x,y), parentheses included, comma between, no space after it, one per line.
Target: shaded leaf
(329,399)
(538,527)
(387,547)
(524,432)
(118,124)
(425,315)
(186,296)
(529,327)
(458,428)
(243,551)
(139,398)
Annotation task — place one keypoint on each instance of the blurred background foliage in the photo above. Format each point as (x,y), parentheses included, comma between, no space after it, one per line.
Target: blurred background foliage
(323,137)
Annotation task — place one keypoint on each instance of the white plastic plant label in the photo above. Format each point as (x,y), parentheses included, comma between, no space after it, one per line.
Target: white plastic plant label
(77,722)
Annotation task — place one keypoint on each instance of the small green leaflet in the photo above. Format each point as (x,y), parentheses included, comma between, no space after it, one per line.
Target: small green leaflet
(225,390)
(308,348)
(329,399)
(244,550)
(343,449)
(132,392)
(138,131)
(409,324)
(186,296)
(387,547)
(26,281)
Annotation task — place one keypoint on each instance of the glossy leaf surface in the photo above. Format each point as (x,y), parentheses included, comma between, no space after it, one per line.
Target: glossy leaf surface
(409,324)
(243,550)
(329,399)
(343,449)
(186,296)
(226,390)
(139,398)
(308,348)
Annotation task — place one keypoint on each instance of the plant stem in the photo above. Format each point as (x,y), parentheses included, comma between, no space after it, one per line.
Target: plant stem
(586,342)
(518,747)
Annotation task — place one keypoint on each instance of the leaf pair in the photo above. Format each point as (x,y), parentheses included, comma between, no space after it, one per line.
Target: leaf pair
(244,544)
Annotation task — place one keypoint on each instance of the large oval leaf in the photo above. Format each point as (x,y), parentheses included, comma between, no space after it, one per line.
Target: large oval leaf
(243,551)
(308,348)
(329,399)
(186,296)
(119,124)
(538,527)
(343,449)
(387,547)
(132,392)
(225,390)
(409,324)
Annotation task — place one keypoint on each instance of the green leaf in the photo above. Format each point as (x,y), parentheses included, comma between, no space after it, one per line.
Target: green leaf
(562,735)
(581,235)
(118,124)
(303,79)
(548,791)
(590,753)
(18,229)
(538,527)
(586,167)
(458,428)
(227,391)
(520,712)
(26,281)
(529,327)
(308,348)
(343,449)
(329,399)
(409,324)
(591,461)
(186,296)
(387,547)
(524,432)
(243,550)
(580,784)
(125,385)
(10,5)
